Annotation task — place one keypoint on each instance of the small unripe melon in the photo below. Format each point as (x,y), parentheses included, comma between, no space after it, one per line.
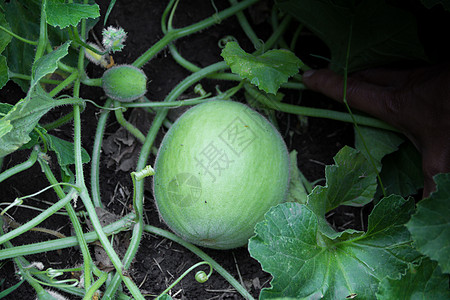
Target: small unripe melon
(219,169)
(124,83)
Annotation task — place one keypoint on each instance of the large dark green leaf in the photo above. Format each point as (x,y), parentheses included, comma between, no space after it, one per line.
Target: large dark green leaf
(380,33)
(64,14)
(402,171)
(379,142)
(431,3)
(5,38)
(430,226)
(306,264)
(420,282)
(23,18)
(350,181)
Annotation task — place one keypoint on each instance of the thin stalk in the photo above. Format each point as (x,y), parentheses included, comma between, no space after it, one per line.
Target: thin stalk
(11,289)
(178,57)
(234,77)
(77,39)
(95,287)
(27,41)
(66,68)
(55,233)
(219,269)
(64,84)
(84,194)
(87,259)
(127,125)
(274,22)
(317,112)
(20,167)
(59,122)
(68,289)
(183,275)
(248,30)
(24,273)
(295,37)
(181,32)
(39,218)
(174,104)
(96,151)
(123,224)
(193,68)
(91,81)
(42,42)
(276,35)
(28,77)
(371,159)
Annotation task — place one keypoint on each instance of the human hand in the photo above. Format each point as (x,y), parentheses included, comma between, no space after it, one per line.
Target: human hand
(416,101)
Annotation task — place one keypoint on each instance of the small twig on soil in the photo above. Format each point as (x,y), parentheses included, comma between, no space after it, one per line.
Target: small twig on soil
(239,273)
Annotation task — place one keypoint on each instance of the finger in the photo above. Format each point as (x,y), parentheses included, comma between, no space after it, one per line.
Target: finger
(373,99)
(383,76)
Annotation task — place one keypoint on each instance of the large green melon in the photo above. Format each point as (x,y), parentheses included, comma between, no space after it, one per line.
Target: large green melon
(219,169)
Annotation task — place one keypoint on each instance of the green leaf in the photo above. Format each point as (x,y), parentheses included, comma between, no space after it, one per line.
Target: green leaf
(430,225)
(48,63)
(34,135)
(65,153)
(4,76)
(381,34)
(430,3)
(379,142)
(23,117)
(350,181)
(402,171)
(64,14)
(297,191)
(267,71)
(5,127)
(23,18)
(4,109)
(398,162)
(5,38)
(305,264)
(423,282)
(19,122)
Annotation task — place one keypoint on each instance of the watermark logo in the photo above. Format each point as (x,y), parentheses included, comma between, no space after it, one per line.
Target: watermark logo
(213,160)
(184,189)
(228,146)
(237,136)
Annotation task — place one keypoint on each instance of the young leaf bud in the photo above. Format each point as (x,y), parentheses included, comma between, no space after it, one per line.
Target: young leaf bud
(113,38)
